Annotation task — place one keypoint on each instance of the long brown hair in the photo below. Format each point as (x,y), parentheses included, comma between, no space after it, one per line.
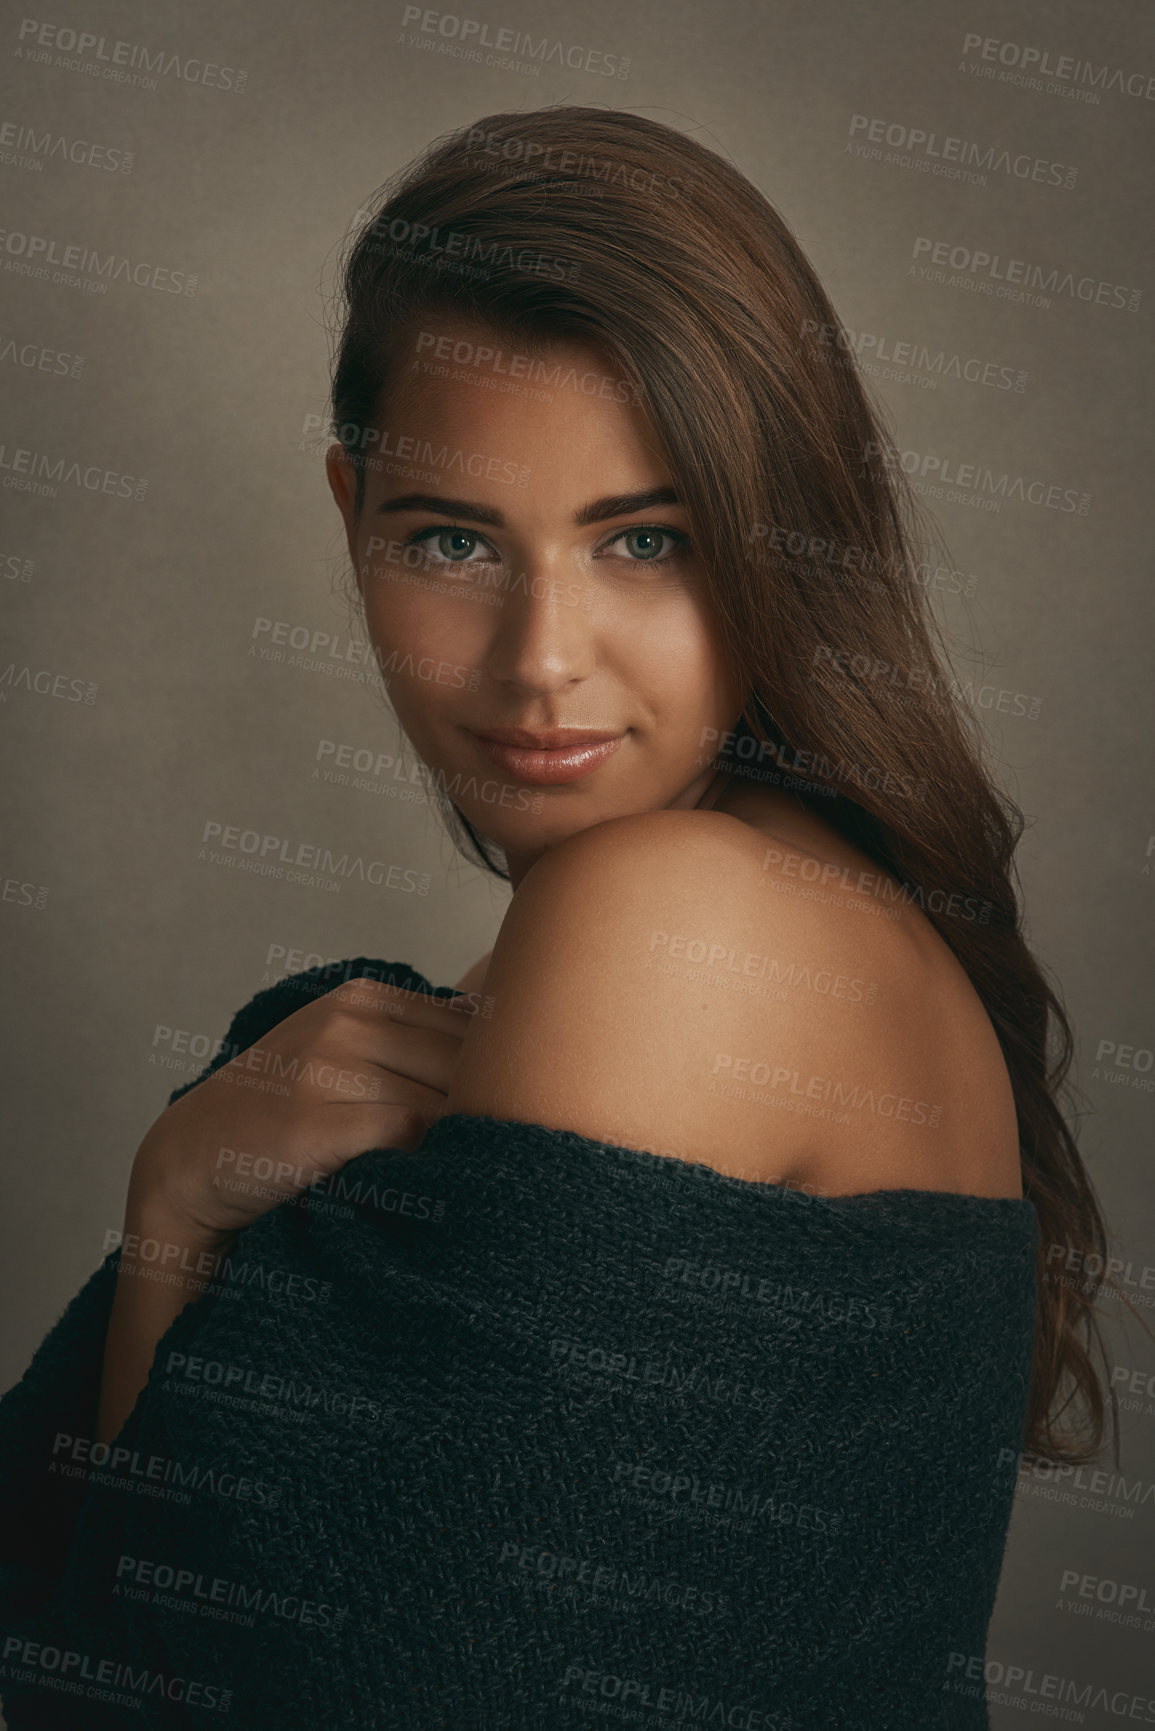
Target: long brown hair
(607,227)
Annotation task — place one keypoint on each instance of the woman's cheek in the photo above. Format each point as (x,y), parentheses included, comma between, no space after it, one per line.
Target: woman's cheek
(413,630)
(429,673)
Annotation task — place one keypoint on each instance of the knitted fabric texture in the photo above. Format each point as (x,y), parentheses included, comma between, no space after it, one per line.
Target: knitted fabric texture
(522,1430)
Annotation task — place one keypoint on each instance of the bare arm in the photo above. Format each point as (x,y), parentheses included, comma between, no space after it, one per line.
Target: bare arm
(651,990)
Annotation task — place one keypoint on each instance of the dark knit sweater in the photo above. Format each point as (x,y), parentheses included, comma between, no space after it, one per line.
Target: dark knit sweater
(524,1431)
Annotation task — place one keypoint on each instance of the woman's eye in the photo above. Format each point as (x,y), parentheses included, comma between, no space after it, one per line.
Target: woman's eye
(645,545)
(451,546)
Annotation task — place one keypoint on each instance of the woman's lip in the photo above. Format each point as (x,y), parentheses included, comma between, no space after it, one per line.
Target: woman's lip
(542,767)
(546,738)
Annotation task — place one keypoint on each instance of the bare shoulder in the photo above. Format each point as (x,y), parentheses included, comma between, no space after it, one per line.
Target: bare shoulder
(653,987)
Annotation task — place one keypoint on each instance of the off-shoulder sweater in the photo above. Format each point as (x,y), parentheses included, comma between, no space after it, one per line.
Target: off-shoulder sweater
(524,1431)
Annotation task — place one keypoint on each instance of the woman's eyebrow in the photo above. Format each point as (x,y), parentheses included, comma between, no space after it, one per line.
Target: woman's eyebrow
(614,505)
(625,505)
(443,507)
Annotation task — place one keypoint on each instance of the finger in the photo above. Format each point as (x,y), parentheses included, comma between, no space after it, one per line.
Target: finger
(424,1056)
(393,1093)
(416,1009)
(359,1129)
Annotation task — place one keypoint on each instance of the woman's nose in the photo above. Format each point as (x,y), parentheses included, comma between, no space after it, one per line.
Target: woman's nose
(543,630)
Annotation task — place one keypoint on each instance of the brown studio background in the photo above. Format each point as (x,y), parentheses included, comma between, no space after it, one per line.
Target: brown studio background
(112,926)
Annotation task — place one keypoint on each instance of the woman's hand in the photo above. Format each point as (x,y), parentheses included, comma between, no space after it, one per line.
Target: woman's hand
(367,1065)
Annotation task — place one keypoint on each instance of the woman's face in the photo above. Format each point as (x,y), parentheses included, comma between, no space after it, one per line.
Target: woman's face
(524,565)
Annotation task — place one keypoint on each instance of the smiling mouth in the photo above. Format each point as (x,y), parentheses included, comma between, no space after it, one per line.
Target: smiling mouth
(550,757)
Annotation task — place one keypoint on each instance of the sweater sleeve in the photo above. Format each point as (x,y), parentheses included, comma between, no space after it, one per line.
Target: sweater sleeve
(54,1480)
(40,1420)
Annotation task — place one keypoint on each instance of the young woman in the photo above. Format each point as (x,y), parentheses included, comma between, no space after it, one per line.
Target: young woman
(644,585)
